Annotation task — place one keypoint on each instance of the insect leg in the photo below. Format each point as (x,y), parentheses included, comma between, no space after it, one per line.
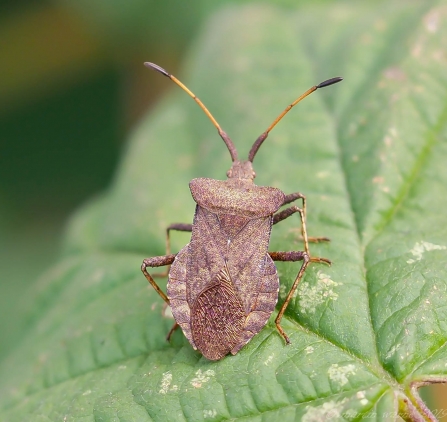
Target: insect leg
(291,256)
(291,197)
(287,213)
(181,227)
(157,261)
(171,331)
(282,215)
(166,260)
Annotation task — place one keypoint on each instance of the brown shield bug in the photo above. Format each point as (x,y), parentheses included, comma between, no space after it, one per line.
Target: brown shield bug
(223,286)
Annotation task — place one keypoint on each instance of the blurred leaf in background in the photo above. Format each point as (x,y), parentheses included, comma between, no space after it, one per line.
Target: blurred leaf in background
(70,88)
(87,341)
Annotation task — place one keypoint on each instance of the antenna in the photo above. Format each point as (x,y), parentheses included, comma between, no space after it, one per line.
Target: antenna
(263,136)
(223,135)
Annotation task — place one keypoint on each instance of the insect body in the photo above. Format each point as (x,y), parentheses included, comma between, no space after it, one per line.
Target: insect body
(223,286)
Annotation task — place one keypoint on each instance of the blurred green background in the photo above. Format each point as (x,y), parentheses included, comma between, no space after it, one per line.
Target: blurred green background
(72,87)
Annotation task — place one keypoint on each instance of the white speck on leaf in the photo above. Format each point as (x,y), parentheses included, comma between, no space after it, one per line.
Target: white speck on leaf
(362,397)
(360,394)
(312,296)
(282,291)
(392,351)
(209,413)
(339,374)
(420,247)
(202,377)
(268,360)
(328,411)
(165,382)
(309,350)
(390,136)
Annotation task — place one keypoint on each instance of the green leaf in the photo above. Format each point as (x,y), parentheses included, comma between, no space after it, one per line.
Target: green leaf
(369,154)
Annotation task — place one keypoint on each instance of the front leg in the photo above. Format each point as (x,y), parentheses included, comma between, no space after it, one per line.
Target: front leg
(282,215)
(181,227)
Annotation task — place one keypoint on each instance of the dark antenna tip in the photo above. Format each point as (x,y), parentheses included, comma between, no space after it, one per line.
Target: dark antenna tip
(330,82)
(157,68)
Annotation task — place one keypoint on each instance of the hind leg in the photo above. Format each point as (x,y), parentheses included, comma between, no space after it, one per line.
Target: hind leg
(292,256)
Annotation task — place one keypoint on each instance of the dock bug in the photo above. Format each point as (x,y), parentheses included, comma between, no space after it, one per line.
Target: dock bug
(223,286)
